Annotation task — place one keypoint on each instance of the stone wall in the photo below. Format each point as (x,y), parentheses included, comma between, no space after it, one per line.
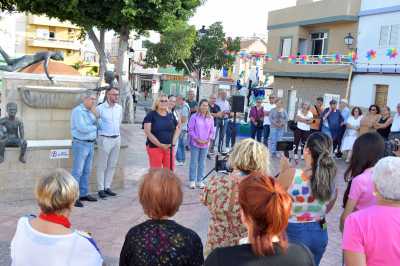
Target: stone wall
(17,180)
(38,121)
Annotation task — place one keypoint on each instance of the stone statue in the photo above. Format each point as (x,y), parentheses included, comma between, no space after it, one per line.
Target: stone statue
(125,96)
(13,135)
(27,60)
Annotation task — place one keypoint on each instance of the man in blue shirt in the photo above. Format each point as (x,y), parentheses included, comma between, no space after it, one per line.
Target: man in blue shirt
(84,131)
(108,141)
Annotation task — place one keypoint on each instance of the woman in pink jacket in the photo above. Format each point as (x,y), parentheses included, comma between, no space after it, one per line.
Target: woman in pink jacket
(201,130)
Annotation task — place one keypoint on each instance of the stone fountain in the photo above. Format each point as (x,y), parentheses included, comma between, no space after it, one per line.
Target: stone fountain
(45,109)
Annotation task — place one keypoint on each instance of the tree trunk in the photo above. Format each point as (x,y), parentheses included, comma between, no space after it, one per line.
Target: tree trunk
(100,48)
(122,50)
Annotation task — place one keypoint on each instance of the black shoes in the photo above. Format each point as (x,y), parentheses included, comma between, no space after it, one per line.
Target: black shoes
(102,194)
(88,198)
(110,193)
(78,204)
(105,193)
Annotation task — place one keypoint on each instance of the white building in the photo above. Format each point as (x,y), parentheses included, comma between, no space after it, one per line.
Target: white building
(377,81)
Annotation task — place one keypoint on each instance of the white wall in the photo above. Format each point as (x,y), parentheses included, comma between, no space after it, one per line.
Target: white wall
(369,36)
(375,4)
(363,89)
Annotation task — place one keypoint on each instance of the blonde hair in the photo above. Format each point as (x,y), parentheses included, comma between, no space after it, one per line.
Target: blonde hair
(56,192)
(249,155)
(156,102)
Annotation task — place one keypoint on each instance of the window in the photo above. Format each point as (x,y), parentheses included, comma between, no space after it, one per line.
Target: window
(319,43)
(389,35)
(42,33)
(286,47)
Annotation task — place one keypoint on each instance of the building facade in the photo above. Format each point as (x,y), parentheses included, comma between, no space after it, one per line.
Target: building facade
(309,55)
(377,81)
(45,34)
(249,65)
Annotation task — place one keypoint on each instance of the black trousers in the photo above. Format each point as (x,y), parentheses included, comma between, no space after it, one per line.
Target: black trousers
(300,136)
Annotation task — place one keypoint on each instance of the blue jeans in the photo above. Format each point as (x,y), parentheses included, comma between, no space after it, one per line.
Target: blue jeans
(229,134)
(275,136)
(180,151)
(266,134)
(311,235)
(197,163)
(256,131)
(326,131)
(82,160)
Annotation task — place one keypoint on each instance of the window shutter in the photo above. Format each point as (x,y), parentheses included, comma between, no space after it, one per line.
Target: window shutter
(394,36)
(384,37)
(286,47)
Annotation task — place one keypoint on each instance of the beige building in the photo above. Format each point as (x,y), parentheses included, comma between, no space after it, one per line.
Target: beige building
(250,62)
(311,34)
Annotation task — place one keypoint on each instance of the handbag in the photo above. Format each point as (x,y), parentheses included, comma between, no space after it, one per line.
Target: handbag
(292,125)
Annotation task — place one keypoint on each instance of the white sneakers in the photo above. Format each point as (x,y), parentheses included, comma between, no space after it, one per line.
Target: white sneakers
(200,185)
(193,184)
(180,163)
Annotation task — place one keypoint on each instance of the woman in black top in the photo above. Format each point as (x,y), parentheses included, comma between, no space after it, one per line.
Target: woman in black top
(385,123)
(265,210)
(160,241)
(162,131)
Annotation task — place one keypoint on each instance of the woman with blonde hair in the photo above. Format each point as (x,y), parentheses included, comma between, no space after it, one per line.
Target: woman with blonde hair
(221,194)
(162,131)
(201,131)
(48,239)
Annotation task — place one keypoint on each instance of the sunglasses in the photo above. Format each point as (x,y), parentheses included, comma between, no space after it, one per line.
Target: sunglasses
(163,101)
(373,110)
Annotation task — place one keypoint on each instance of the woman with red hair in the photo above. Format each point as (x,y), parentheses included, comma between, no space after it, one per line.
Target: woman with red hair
(265,210)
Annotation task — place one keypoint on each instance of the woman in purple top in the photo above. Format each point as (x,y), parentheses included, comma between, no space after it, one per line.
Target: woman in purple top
(257,120)
(201,130)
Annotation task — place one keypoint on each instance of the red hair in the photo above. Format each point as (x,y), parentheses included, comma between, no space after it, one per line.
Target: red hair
(160,193)
(267,207)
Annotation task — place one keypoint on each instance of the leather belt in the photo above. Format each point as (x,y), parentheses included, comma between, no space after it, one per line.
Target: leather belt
(85,140)
(113,137)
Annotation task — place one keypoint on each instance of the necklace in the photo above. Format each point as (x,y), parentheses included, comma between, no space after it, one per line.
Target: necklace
(56,219)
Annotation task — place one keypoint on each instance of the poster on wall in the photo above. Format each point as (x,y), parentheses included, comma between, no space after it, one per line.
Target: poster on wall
(329,97)
(280,93)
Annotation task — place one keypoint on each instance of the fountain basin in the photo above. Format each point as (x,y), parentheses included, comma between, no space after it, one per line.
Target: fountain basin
(44,97)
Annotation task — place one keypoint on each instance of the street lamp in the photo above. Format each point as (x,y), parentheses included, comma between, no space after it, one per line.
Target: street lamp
(349,40)
(201,33)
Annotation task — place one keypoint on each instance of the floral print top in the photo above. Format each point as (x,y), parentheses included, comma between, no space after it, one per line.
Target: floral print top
(161,243)
(305,207)
(221,196)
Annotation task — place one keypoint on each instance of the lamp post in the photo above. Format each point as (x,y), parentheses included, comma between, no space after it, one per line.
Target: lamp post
(201,33)
(349,40)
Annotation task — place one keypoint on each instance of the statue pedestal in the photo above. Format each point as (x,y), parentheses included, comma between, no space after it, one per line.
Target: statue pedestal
(18,180)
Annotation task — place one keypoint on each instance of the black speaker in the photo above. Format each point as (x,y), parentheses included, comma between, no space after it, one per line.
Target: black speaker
(237,104)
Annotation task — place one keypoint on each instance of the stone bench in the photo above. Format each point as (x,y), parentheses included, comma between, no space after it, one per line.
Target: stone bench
(17,180)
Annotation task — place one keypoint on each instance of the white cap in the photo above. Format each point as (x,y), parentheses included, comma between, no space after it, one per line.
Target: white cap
(386,176)
(344,101)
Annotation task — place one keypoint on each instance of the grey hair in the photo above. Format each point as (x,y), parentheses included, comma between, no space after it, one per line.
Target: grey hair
(88,94)
(386,177)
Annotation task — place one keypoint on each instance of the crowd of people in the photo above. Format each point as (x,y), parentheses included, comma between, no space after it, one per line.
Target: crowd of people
(255,218)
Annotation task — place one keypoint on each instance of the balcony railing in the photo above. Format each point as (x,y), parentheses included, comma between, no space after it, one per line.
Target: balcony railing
(377,68)
(54,43)
(333,59)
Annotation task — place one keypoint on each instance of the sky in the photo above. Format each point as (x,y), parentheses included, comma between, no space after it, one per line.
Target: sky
(241,18)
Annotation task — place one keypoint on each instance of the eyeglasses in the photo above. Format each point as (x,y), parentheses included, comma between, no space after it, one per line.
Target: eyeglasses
(163,101)
(373,110)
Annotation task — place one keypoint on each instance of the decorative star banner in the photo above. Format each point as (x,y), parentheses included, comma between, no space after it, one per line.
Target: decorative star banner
(392,53)
(371,55)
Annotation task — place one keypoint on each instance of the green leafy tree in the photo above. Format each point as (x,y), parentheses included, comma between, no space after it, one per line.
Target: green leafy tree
(122,16)
(207,52)
(7,5)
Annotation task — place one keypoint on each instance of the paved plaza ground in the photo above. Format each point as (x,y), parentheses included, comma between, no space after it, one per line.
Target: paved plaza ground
(109,220)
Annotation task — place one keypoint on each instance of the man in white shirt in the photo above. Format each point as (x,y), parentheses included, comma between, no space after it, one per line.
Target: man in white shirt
(267,123)
(109,141)
(222,127)
(395,130)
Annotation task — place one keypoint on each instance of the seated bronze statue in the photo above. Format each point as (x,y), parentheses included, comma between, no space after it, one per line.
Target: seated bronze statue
(27,60)
(12,133)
